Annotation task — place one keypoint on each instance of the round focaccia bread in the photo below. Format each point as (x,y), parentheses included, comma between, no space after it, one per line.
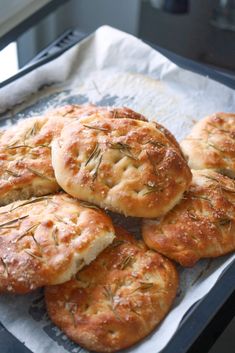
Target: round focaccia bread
(118,299)
(122,164)
(46,240)
(25,154)
(211,144)
(202,225)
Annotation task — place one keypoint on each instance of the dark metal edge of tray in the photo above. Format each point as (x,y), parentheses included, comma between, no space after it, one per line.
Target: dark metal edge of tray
(201,315)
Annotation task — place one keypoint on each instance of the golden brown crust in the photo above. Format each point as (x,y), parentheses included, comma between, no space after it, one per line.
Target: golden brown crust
(118,299)
(46,240)
(25,154)
(123,164)
(211,144)
(201,225)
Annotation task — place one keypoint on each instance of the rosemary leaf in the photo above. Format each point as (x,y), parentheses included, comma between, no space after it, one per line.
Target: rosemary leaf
(39,199)
(88,205)
(145,285)
(39,174)
(5,267)
(126,262)
(109,295)
(215,147)
(123,148)
(193,216)
(33,255)
(95,173)
(12,173)
(13,221)
(54,236)
(224,222)
(95,127)
(223,187)
(27,232)
(18,146)
(94,154)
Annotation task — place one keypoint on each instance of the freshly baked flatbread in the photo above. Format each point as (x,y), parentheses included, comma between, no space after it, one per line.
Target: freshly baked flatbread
(25,154)
(211,144)
(120,163)
(118,299)
(46,240)
(202,225)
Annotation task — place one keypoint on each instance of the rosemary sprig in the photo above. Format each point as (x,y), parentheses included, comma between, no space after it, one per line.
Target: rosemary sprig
(5,271)
(39,199)
(210,178)
(123,148)
(31,132)
(201,198)
(39,174)
(60,219)
(95,127)
(109,295)
(223,187)
(202,272)
(27,232)
(88,205)
(222,130)
(37,257)
(193,216)
(18,146)
(95,173)
(43,145)
(225,221)
(215,147)
(4,225)
(94,154)
(55,236)
(12,173)
(143,286)
(126,262)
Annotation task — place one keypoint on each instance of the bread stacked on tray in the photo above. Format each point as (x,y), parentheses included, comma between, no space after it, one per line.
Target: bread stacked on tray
(104,288)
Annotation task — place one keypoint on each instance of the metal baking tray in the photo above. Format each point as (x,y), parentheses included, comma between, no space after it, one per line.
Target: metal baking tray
(206,320)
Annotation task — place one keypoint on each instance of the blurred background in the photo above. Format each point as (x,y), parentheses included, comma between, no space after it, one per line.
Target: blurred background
(201,30)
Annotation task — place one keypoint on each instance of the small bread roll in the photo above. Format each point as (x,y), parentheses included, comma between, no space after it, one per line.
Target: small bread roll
(202,225)
(119,163)
(118,299)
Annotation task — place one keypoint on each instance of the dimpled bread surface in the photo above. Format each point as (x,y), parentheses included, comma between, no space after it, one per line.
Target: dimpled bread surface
(202,225)
(46,240)
(25,154)
(211,144)
(116,300)
(123,164)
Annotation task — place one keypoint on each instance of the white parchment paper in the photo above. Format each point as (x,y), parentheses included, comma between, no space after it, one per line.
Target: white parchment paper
(113,68)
